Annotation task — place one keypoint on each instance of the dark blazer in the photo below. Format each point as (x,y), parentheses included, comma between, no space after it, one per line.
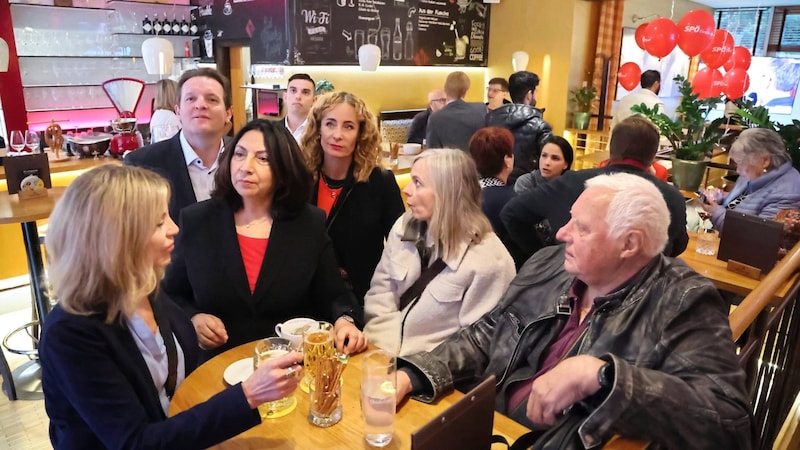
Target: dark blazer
(359,222)
(299,276)
(553,201)
(454,125)
(166,158)
(494,198)
(416,131)
(98,391)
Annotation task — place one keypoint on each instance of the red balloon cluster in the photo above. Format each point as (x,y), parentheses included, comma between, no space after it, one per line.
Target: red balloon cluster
(695,34)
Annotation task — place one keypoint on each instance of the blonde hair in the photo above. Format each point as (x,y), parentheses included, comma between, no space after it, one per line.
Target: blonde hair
(368,152)
(166,95)
(457,214)
(97,240)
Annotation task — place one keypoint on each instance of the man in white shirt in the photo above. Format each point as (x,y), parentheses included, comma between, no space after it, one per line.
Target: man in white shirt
(648,94)
(299,97)
(189,159)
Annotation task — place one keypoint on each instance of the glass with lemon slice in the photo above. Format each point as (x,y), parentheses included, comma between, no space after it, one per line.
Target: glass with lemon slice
(378,387)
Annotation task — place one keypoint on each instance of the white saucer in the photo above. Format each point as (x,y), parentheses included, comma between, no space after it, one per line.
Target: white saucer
(238,371)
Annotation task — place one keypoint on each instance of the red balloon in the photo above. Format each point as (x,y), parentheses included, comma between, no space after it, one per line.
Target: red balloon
(629,75)
(695,31)
(707,82)
(736,83)
(740,58)
(639,35)
(660,37)
(720,49)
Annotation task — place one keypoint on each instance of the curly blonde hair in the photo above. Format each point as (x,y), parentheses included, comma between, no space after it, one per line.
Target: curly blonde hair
(368,152)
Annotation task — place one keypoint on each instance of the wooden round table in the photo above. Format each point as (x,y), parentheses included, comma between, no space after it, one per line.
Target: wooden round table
(294,431)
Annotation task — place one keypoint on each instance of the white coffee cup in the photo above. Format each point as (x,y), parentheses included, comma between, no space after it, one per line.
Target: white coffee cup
(411,149)
(293,329)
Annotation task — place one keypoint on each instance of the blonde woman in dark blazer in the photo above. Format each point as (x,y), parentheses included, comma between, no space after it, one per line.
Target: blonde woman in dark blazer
(115,347)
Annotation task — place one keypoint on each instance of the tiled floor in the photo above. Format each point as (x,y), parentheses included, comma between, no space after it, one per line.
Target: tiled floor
(23,423)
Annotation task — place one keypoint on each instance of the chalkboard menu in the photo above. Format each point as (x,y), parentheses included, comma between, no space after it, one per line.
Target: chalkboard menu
(304,32)
(261,24)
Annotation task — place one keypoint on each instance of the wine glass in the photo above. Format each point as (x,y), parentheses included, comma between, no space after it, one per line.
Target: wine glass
(17,141)
(32,141)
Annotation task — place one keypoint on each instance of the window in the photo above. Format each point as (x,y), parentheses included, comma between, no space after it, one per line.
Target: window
(784,37)
(748,26)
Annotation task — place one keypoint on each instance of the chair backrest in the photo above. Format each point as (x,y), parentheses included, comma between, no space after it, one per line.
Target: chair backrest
(465,425)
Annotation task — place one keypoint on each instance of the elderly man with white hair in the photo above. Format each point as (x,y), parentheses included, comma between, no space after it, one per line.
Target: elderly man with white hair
(605,328)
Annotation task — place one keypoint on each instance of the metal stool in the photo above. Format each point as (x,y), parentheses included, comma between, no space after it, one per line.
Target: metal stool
(24,382)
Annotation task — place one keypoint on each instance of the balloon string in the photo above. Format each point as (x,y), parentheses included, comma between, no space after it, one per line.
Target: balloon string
(672,10)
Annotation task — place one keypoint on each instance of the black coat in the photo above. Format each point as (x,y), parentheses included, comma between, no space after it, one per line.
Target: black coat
(553,201)
(359,222)
(530,131)
(298,277)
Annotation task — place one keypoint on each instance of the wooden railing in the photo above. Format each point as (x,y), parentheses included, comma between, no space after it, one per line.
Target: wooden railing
(769,338)
(769,352)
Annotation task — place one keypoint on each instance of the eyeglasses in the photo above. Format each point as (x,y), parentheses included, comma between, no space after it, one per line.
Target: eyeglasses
(492,90)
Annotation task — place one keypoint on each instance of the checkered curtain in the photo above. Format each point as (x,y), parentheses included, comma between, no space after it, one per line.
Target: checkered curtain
(609,41)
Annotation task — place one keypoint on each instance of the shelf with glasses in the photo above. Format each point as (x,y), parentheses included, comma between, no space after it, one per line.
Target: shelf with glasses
(77,108)
(84,8)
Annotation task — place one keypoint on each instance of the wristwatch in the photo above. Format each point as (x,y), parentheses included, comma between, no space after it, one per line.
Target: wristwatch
(347,318)
(605,377)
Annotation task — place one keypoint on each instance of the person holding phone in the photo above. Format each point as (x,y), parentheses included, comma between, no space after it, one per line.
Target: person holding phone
(767,181)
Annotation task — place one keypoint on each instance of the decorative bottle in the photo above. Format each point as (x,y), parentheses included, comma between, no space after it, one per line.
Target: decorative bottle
(397,41)
(156,24)
(147,26)
(408,44)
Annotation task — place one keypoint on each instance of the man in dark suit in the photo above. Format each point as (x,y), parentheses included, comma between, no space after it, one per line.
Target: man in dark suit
(189,159)
(454,125)
(633,146)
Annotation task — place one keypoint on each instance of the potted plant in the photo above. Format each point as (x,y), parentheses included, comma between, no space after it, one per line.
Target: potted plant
(583,97)
(691,138)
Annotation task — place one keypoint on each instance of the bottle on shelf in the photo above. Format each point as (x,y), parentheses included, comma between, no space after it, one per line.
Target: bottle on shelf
(147,26)
(397,41)
(176,26)
(184,26)
(156,24)
(166,25)
(193,28)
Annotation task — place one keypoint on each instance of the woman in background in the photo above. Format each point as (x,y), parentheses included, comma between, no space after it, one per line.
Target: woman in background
(115,348)
(444,222)
(555,159)
(767,181)
(361,200)
(164,123)
(256,253)
(492,149)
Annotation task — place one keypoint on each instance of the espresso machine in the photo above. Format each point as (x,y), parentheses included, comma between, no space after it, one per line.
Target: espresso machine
(125,94)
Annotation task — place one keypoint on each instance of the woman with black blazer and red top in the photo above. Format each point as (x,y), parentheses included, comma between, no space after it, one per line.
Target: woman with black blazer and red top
(256,253)
(115,348)
(362,201)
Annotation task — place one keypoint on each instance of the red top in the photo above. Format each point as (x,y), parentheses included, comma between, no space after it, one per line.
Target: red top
(253,251)
(326,197)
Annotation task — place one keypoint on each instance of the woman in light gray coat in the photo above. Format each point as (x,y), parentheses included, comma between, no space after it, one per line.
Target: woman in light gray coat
(444,222)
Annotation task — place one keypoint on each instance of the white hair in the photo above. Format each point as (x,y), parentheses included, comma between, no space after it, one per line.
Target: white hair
(636,204)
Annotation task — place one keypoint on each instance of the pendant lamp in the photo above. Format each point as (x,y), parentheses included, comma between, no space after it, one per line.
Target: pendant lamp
(519,60)
(369,57)
(158,55)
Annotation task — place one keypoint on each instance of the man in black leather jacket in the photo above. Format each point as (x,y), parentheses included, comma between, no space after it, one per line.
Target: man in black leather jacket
(639,340)
(525,122)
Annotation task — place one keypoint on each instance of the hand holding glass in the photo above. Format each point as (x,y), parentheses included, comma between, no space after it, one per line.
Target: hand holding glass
(266,349)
